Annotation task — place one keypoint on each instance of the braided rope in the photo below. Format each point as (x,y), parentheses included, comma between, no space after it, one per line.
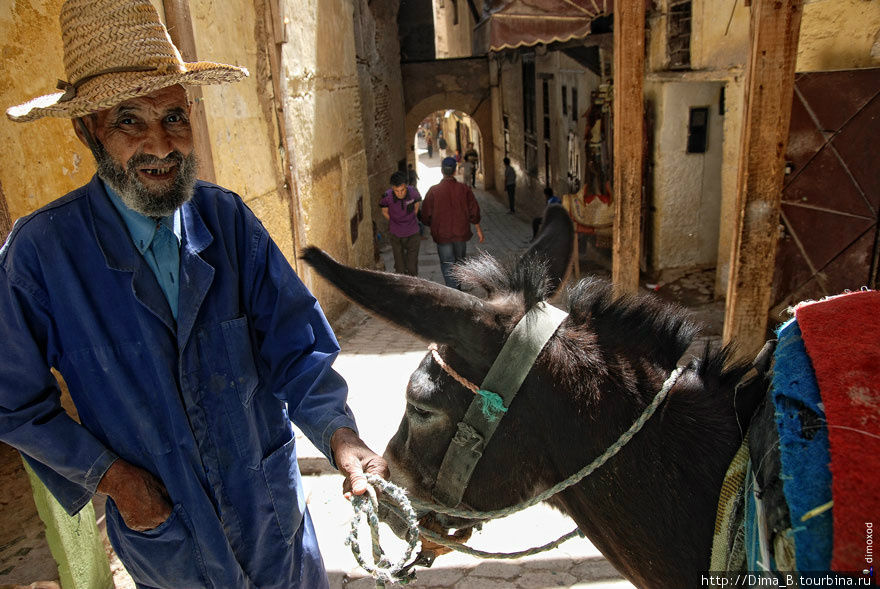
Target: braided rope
(451,371)
(382,569)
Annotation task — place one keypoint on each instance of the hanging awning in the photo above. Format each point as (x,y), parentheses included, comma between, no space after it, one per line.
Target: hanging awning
(523,23)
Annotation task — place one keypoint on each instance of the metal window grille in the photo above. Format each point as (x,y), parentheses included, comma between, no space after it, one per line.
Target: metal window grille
(678,33)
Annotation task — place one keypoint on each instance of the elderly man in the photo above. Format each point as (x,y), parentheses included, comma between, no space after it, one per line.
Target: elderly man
(186,340)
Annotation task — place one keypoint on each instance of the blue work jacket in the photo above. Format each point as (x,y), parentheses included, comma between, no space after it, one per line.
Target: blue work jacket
(203,403)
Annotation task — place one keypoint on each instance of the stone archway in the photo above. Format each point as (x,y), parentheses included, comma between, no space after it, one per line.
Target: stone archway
(457,84)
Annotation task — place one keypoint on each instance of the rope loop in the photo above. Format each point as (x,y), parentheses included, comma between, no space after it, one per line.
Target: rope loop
(367,505)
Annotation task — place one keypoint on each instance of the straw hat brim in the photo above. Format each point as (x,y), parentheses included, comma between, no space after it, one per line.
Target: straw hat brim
(111,89)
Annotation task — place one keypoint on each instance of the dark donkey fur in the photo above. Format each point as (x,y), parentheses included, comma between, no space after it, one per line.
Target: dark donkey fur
(651,508)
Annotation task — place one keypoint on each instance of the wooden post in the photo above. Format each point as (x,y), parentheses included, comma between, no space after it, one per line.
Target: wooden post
(178,21)
(75,541)
(629,75)
(5,220)
(775,27)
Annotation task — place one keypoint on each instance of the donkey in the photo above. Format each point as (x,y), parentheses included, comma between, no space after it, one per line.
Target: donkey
(651,508)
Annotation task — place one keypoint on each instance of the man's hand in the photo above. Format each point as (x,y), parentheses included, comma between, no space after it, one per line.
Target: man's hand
(353,459)
(141,498)
(479,233)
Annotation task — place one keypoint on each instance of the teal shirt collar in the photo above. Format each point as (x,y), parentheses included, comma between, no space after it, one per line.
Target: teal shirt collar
(140,227)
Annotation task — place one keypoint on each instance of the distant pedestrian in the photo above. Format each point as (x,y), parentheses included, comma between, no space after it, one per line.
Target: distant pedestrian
(430,143)
(471,158)
(441,143)
(449,209)
(510,185)
(400,206)
(549,199)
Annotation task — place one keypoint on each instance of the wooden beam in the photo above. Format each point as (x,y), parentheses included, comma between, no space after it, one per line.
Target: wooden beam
(629,75)
(178,21)
(775,27)
(5,219)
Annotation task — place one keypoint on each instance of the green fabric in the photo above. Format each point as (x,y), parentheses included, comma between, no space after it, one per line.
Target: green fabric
(75,541)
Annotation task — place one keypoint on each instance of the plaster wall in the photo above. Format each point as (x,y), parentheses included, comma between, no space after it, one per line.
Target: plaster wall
(839,34)
(453,28)
(835,34)
(511,109)
(42,160)
(687,186)
(241,122)
(559,70)
(564,75)
(323,123)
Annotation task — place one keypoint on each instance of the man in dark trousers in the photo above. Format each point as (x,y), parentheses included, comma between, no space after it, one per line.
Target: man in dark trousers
(186,340)
(450,209)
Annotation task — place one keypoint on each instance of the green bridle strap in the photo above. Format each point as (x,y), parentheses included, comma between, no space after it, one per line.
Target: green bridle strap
(504,379)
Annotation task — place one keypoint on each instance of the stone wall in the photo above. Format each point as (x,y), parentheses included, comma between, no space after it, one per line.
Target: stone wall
(457,84)
(324,132)
(381,94)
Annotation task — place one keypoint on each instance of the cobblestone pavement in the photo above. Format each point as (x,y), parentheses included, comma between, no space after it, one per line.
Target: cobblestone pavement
(376,360)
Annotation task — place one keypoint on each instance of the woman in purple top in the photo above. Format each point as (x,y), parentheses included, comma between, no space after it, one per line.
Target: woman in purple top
(400,206)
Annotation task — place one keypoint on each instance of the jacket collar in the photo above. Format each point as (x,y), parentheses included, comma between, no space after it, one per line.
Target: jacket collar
(120,253)
(142,228)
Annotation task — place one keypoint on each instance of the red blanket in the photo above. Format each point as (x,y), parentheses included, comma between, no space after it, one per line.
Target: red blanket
(842,337)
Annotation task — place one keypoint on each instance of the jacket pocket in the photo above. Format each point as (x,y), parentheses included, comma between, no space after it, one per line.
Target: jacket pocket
(166,556)
(284,484)
(242,368)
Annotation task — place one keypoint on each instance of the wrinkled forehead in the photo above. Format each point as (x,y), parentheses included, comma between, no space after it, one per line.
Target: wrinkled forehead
(160,101)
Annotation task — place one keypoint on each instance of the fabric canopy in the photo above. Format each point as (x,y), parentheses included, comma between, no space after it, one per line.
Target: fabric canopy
(523,23)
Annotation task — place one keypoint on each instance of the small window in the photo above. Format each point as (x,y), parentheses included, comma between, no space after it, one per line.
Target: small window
(574,104)
(564,100)
(698,130)
(678,34)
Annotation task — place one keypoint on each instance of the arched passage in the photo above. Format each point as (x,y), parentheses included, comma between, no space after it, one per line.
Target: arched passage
(456,84)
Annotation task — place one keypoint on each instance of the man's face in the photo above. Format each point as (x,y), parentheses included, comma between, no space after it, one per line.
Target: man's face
(145,150)
(399,191)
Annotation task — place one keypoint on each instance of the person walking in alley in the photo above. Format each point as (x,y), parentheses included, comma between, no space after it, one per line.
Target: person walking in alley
(510,185)
(400,205)
(187,342)
(441,143)
(471,158)
(449,210)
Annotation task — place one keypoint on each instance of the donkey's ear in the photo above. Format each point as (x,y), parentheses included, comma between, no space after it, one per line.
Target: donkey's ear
(430,310)
(554,245)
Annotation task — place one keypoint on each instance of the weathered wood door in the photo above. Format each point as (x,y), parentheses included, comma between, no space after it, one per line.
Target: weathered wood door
(831,195)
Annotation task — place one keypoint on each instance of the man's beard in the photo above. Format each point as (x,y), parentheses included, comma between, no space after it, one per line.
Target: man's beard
(137,196)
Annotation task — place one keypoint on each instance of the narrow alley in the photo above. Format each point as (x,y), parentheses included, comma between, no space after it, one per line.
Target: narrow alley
(376,360)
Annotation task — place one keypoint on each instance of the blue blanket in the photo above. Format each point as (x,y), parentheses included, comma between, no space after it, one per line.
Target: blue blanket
(804,449)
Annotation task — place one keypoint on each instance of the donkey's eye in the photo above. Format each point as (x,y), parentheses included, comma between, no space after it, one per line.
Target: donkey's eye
(417,412)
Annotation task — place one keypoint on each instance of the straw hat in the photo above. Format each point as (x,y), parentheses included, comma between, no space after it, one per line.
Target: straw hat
(115,50)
